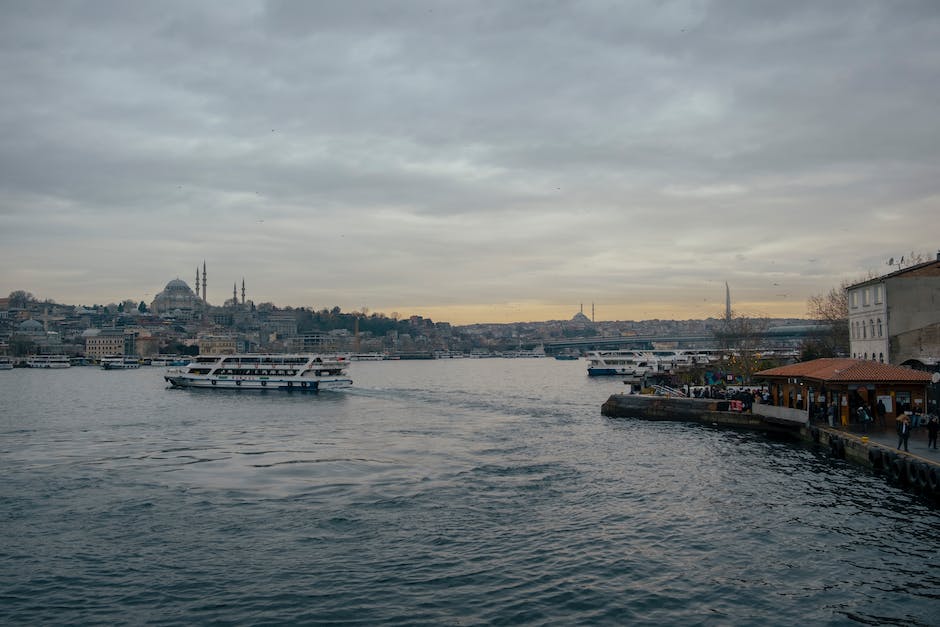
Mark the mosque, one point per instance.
(179, 300)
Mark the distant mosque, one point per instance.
(581, 318)
(177, 298)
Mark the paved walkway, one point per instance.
(916, 444)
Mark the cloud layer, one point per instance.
(478, 161)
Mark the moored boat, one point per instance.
(639, 363)
(119, 362)
(6, 363)
(48, 361)
(303, 373)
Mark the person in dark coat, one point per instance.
(904, 430)
(933, 425)
(881, 411)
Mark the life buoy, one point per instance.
(923, 473)
(898, 470)
(933, 481)
(910, 472)
(837, 446)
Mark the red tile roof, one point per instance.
(848, 370)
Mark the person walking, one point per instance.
(933, 425)
(904, 430)
(881, 411)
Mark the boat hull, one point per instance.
(289, 385)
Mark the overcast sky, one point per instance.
(468, 161)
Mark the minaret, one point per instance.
(727, 303)
(197, 281)
(204, 299)
(234, 294)
(243, 290)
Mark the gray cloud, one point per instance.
(409, 154)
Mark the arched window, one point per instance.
(881, 357)
(879, 327)
(864, 332)
(871, 326)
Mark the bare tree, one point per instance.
(831, 309)
(740, 339)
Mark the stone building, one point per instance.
(895, 318)
(108, 342)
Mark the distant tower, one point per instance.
(727, 303)
(197, 281)
(234, 293)
(243, 290)
(204, 282)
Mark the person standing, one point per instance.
(933, 425)
(904, 430)
(881, 410)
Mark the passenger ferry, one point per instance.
(303, 373)
(636, 364)
(169, 360)
(368, 357)
(119, 362)
(48, 361)
(6, 363)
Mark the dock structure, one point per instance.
(909, 470)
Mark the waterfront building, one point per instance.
(217, 345)
(108, 342)
(850, 384)
(895, 318)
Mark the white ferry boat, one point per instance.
(309, 373)
(169, 360)
(6, 363)
(48, 361)
(119, 362)
(368, 357)
(639, 363)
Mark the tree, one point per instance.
(21, 298)
(740, 337)
(831, 309)
(142, 307)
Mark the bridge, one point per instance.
(773, 338)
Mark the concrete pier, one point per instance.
(918, 470)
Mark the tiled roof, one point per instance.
(846, 370)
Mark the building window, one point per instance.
(871, 327)
(853, 299)
(881, 357)
(866, 296)
(864, 333)
(879, 292)
(879, 328)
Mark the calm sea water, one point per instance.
(449, 492)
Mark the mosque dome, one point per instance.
(30, 327)
(177, 295)
(177, 285)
